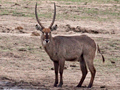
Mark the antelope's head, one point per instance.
(46, 32)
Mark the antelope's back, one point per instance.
(75, 40)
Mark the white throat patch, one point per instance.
(44, 42)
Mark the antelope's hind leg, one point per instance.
(89, 62)
(83, 69)
(92, 71)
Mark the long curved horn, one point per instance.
(53, 16)
(37, 16)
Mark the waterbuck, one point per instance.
(68, 48)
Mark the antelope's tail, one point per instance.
(100, 53)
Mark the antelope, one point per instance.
(68, 48)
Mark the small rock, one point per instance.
(35, 34)
(26, 7)
(73, 66)
(19, 28)
(52, 68)
(42, 59)
(93, 31)
(22, 49)
(102, 86)
(21, 31)
(112, 32)
(85, 3)
(15, 43)
(69, 28)
(16, 4)
(16, 56)
(65, 67)
(113, 62)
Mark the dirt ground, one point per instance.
(25, 65)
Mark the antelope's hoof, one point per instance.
(78, 85)
(55, 85)
(89, 86)
(60, 85)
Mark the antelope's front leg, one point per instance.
(56, 65)
(61, 68)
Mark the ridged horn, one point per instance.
(53, 16)
(37, 17)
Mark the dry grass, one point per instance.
(25, 64)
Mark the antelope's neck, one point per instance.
(49, 47)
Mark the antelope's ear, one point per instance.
(54, 28)
(38, 27)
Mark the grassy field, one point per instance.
(24, 63)
(89, 10)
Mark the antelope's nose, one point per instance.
(47, 40)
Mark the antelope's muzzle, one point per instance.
(47, 40)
